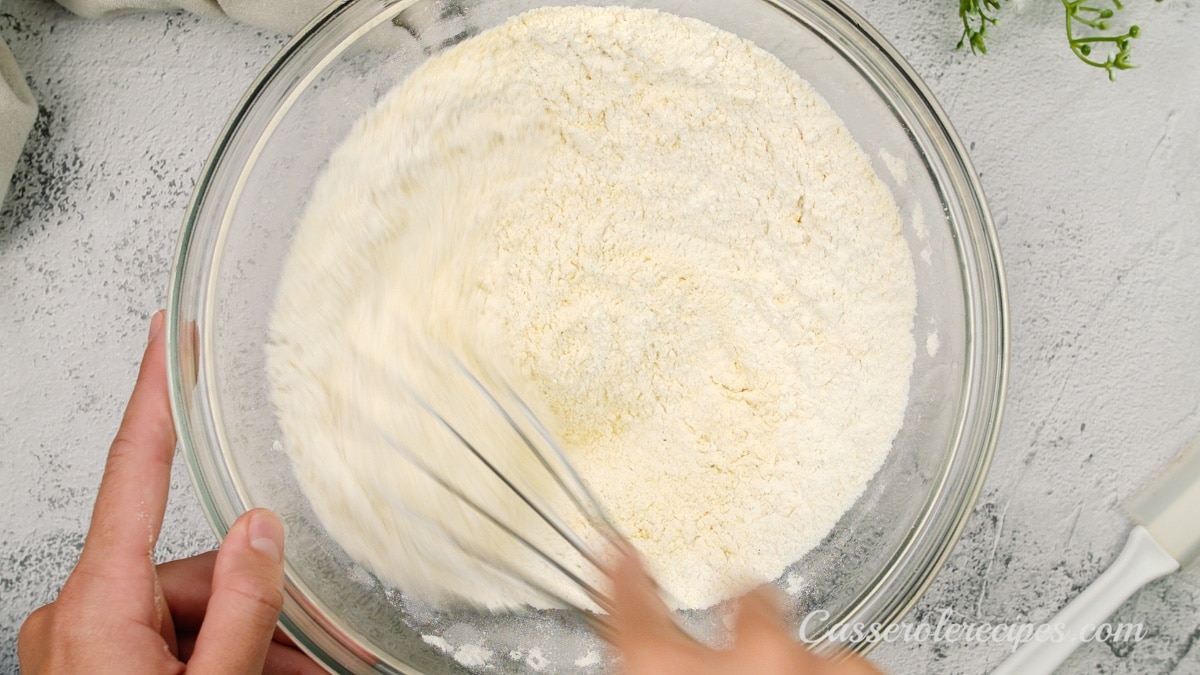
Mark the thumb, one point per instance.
(247, 594)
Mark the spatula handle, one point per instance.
(1141, 561)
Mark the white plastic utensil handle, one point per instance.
(1141, 562)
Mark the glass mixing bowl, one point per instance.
(870, 569)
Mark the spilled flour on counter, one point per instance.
(665, 238)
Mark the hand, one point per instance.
(651, 643)
(118, 612)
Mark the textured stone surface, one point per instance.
(1094, 187)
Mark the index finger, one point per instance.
(639, 615)
(133, 493)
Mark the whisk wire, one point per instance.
(588, 506)
(595, 595)
(594, 512)
(533, 434)
(597, 623)
(548, 515)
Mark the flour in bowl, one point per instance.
(665, 238)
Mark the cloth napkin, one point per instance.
(18, 110)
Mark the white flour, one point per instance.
(664, 236)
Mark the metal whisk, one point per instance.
(550, 456)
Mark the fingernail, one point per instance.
(266, 534)
(156, 323)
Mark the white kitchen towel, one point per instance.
(17, 112)
(282, 16)
(18, 109)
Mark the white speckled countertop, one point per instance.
(1095, 190)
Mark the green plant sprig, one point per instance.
(1097, 19)
(1088, 30)
(976, 16)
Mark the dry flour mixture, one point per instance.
(664, 235)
